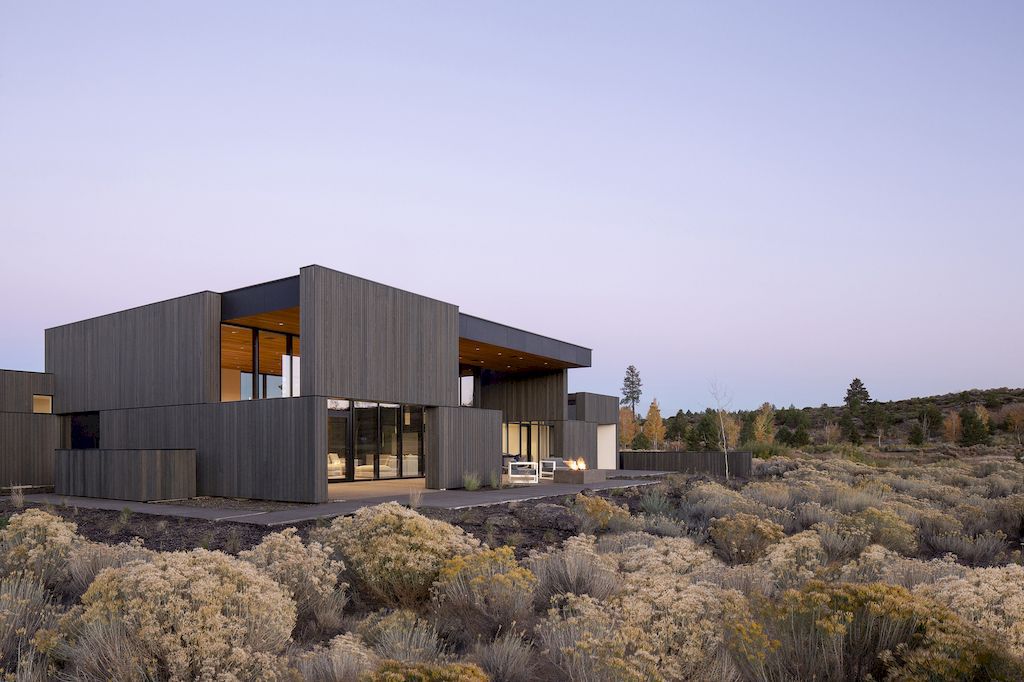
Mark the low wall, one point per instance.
(712, 463)
(27, 442)
(140, 475)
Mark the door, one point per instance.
(339, 454)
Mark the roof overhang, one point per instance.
(499, 347)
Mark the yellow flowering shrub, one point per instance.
(394, 553)
(481, 594)
(878, 564)
(889, 530)
(86, 560)
(38, 543)
(402, 635)
(26, 611)
(795, 559)
(597, 513)
(992, 598)
(393, 671)
(743, 538)
(307, 571)
(575, 568)
(196, 615)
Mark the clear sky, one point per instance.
(777, 195)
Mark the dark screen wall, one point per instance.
(17, 389)
(461, 440)
(367, 341)
(27, 440)
(526, 397)
(165, 353)
(574, 439)
(597, 408)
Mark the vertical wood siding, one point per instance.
(27, 442)
(597, 408)
(165, 353)
(368, 341)
(140, 475)
(713, 463)
(460, 440)
(575, 439)
(17, 389)
(526, 397)
(273, 449)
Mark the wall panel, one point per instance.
(17, 389)
(460, 440)
(713, 463)
(27, 442)
(165, 353)
(140, 475)
(368, 341)
(597, 408)
(574, 439)
(526, 397)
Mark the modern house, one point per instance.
(288, 389)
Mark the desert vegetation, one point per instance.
(845, 565)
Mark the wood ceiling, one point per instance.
(236, 343)
(488, 356)
(286, 320)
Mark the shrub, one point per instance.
(843, 540)
(38, 543)
(507, 659)
(482, 594)
(306, 571)
(344, 659)
(795, 559)
(889, 530)
(102, 651)
(194, 615)
(808, 514)
(878, 564)
(985, 549)
(847, 631)
(402, 636)
(596, 513)
(992, 598)
(394, 553)
(87, 559)
(576, 568)
(470, 481)
(743, 538)
(654, 502)
(393, 671)
(25, 610)
(664, 526)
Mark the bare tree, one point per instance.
(722, 402)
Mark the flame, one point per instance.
(571, 463)
(581, 464)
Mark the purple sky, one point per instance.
(779, 195)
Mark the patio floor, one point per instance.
(354, 496)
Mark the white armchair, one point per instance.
(522, 472)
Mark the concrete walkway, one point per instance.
(445, 499)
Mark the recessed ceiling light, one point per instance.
(280, 324)
(499, 353)
(509, 366)
(478, 349)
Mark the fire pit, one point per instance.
(578, 473)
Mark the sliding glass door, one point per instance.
(381, 440)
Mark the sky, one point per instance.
(774, 196)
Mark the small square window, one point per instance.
(42, 404)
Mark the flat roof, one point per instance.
(494, 333)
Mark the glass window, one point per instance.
(42, 404)
(365, 417)
(387, 461)
(466, 391)
(513, 439)
(337, 445)
(412, 441)
(292, 378)
(235, 363)
(274, 362)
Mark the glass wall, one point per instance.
(529, 441)
(374, 440)
(257, 363)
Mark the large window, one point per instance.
(529, 441)
(257, 363)
(369, 440)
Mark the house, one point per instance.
(288, 389)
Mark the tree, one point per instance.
(631, 388)
(930, 418)
(731, 426)
(675, 427)
(641, 442)
(654, 427)
(952, 429)
(876, 421)
(974, 430)
(830, 432)
(722, 401)
(628, 428)
(857, 395)
(849, 428)
(916, 436)
(764, 424)
(1014, 421)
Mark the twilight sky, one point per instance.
(777, 195)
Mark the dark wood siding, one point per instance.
(140, 475)
(272, 449)
(165, 353)
(461, 440)
(526, 397)
(27, 442)
(574, 439)
(17, 389)
(597, 408)
(368, 341)
(688, 462)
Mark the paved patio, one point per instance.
(359, 495)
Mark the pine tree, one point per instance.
(975, 431)
(631, 388)
(857, 395)
(654, 427)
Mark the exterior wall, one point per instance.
(27, 442)
(713, 463)
(272, 449)
(607, 446)
(526, 397)
(368, 341)
(596, 408)
(575, 439)
(160, 354)
(141, 475)
(17, 389)
(461, 440)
